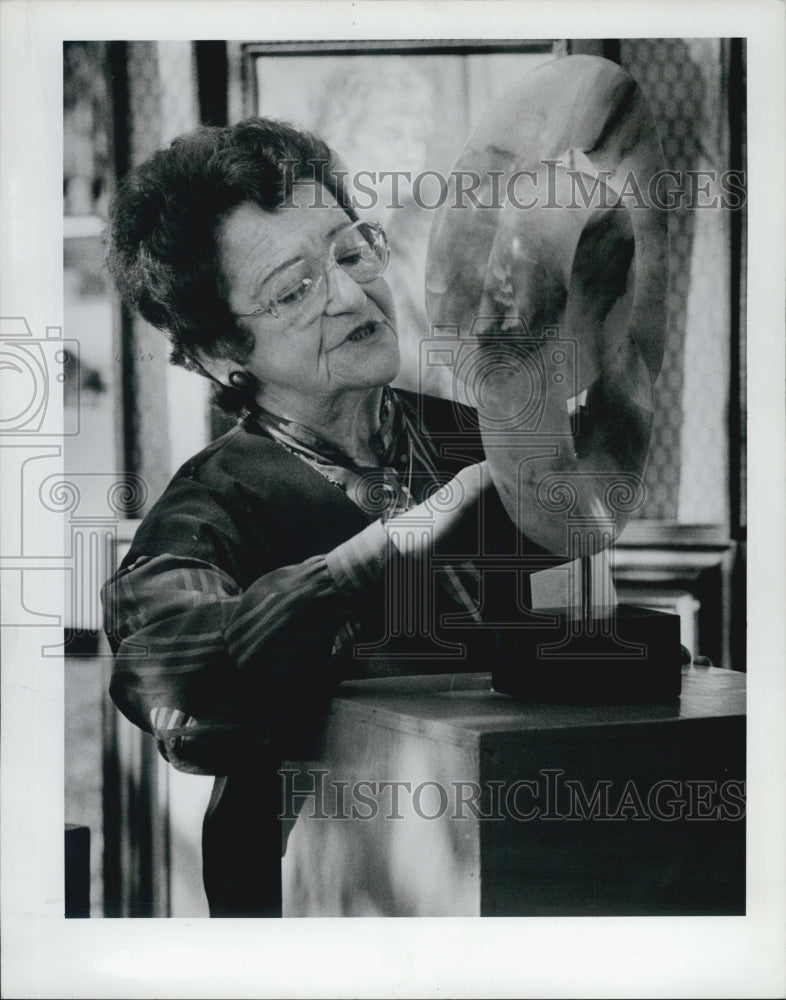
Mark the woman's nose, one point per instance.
(344, 294)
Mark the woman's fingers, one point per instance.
(473, 480)
(417, 530)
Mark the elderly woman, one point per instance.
(276, 550)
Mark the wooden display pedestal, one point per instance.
(436, 796)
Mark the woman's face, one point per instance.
(351, 345)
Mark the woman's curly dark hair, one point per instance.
(162, 250)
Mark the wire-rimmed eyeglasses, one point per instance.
(299, 293)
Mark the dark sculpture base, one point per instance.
(631, 656)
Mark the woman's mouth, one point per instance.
(363, 331)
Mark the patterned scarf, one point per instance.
(406, 473)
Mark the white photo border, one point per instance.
(47, 956)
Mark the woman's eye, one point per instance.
(351, 257)
(294, 292)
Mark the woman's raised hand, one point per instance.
(424, 526)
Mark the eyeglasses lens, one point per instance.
(300, 292)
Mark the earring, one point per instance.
(240, 380)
